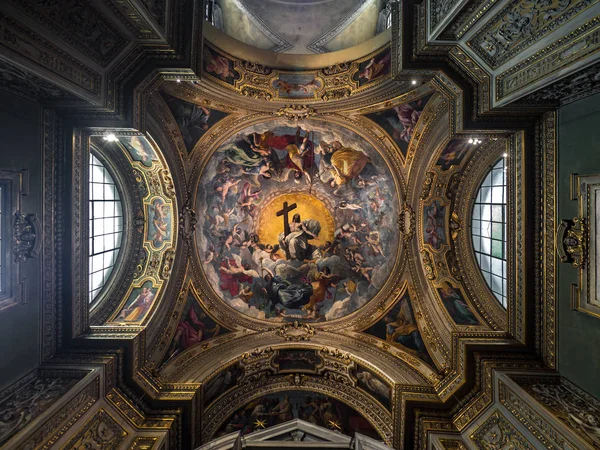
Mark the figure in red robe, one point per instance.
(191, 331)
(232, 276)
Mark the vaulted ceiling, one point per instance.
(218, 304)
(300, 26)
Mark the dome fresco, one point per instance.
(300, 221)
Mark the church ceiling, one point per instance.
(329, 255)
(369, 307)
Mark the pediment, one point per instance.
(295, 433)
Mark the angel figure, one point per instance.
(374, 242)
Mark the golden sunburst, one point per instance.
(260, 423)
(308, 206)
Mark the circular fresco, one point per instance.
(301, 222)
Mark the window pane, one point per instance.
(106, 225)
(488, 227)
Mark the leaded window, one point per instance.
(489, 230)
(106, 225)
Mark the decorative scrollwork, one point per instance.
(338, 378)
(429, 265)
(573, 242)
(141, 266)
(258, 94)
(454, 225)
(258, 353)
(256, 68)
(296, 332)
(187, 221)
(428, 185)
(452, 262)
(407, 222)
(335, 353)
(337, 94)
(167, 264)
(337, 68)
(297, 112)
(167, 183)
(26, 229)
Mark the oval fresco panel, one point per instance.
(301, 222)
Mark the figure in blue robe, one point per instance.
(289, 295)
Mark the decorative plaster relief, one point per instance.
(520, 24)
(438, 9)
(101, 432)
(566, 90)
(329, 83)
(79, 24)
(38, 51)
(570, 49)
(497, 433)
(28, 398)
(25, 84)
(575, 408)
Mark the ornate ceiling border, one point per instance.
(274, 84)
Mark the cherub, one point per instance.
(347, 205)
(354, 257)
(285, 86)
(226, 186)
(245, 293)
(364, 271)
(308, 88)
(240, 269)
(374, 242)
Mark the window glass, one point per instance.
(106, 226)
(489, 230)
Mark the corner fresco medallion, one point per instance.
(301, 221)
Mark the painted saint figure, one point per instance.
(377, 66)
(283, 292)
(160, 230)
(346, 163)
(321, 284)
(456, 305)
(191, 331)
(296, 244)
(140, 306)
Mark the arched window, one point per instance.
(106, 226)
(489, 230)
